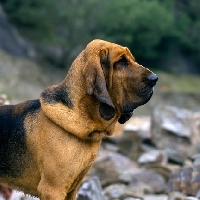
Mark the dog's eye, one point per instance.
(122, 62)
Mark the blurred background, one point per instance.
(39, 39)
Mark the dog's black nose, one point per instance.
(152, 79)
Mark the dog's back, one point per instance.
(13, 137)
(46, 149)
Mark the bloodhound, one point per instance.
(49, 144)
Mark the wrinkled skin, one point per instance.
(48, 145)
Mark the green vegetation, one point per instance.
(180, 83)
(153, 29)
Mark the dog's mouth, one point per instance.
(145, 100)
(145, 92)
(128, 109)
(132, 106)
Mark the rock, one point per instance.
(121, 191)
(153, 156)
(190, 198)
(148, 182)
(140, 126)
(176, 196)
(180, 196)
(172, 131)
(185, 180)
(198, 194)
(113, 168)
(11, 41)
(196, 133)
(136, 130)
(119, 130)
(163, 169)
(130, 145)
(156, 197)
(177, 131)
(196, 158)
(157, 161)
(91, 190)
(130, 136)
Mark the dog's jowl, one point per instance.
(48, 145)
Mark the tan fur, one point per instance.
(62, 140)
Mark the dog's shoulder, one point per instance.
(13, 134)
(12, 116)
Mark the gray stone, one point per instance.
(139, 125)
(190, 198)
(198, 194)
(153, 156)
(196, 133)
(156, 197)
(148, 181)
(136, 130)
(172, 131)
(176, 196)
(91, 190)
(120, 191)
(113, 168)
(185, 180)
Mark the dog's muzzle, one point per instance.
(145, 90)
(151, 80)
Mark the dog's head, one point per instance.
(116, 80)
(103, 85)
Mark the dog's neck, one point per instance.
(82, 117)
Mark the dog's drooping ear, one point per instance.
(106, 109)
(96, 86)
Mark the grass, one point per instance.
(178, 82)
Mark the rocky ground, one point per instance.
(152, 157)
